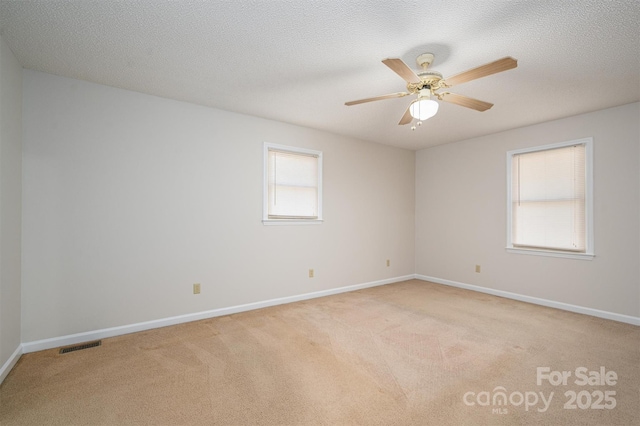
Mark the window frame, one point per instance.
(589, 252)
(266, 220)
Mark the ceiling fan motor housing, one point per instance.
(429, 80)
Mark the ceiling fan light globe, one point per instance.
(423, 109)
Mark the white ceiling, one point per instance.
(298, 61)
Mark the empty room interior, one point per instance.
(320, 212)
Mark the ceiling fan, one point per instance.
(426, 84)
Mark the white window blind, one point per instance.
(548, 202)
(293, 184)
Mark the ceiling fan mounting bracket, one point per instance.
(424, 60)
(441, 95)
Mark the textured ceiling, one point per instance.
(298, 61)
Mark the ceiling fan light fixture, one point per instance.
(427, 83)
(423, 109)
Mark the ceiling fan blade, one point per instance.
(500, 65)
(406, 118)
(465, 101)
(402, 70)
(377, 98)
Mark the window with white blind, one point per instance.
(292, 185)
(550, 203)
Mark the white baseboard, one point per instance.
(73, 339)
(13, 359)
(535, 300)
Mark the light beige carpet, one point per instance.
(411, 353)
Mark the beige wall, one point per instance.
(129, 199)
(10, 202)
(461, 215)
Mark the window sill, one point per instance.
(285, 222)
(550, 253)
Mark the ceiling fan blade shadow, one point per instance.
(402, 69)
(465, 101)
(377, 98)
(494, 67)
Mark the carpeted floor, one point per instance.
(410, 353)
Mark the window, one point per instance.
(549, 201)
(292, 185)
